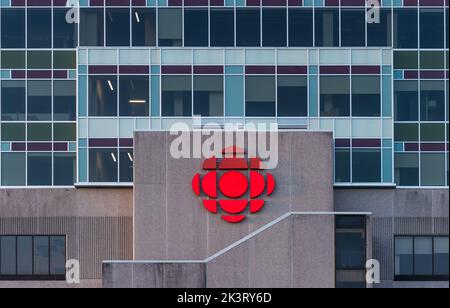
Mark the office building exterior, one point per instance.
(359, 95)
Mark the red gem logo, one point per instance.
(241, 184)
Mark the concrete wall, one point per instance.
(97, 223)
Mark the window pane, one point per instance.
(208, 96)
(144, 27)
(24, 255)
(342, 165)
(405, 28)
(260, 96)
(327, 27)
(432, 132)
(433, 171)
(64, 131)
(170, 27)
(64, 100)
(366, 96)
(8, 255)
(91, 27)
(39, 100)
(64, 33)
(441, 256)
(126, 165)
(301, 28)
(423, 256)
(177, 96)
(39, 26)
(117, 27)
(134, 96)
(350, 249)
(292, 96)
(431, 28)
(13, 59)
(407, 169)
(39, 60)
(195, 27)
(248, 27)
(353, 27)
(335, 96)
(13, 28)
(41, 255)
(39, 132)
(102, 96)
(13, 131)
(274, 27)
(13, 100)
(13, 169)
(406, 100)
(432, 100)
(406, 132)
(366, 166)
(379, 34)
(39, 169)
(103, 165)
(222, 27)
(57, 255)
(64, 169)
(404, 259)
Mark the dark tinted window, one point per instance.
(144, 27)
(39, 26)
(117, 27)
(170, 27)
(327, 27)
(134, 96)
(64, 169)
(274, 27)
(13, 100)
(177, 96)
(353, 27)
(366, 96)
(406, 100)
(102, 95)
(39, 100)
(301, 27)
(431, 28)
(292, 96)
(222, 27)
(39, 169)
(64, 100)
(342, 165)
(91, 27)
(432, 100)
(335, 96)
(195, 27)
(13, 28)
(407, 169)
(64, 33)
(126, 165)
(405, 28)
(366, 165)
(380, 34)
(260, 96)
(208, 96)
(103, 165)
(248, 27)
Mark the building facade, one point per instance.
(76, 86)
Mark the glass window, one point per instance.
(423, 256)
(13, 131)
(406, 100)
(64, 131)
(260, 96)
(335, 96)
(63, 59)
(41, 255)
(432, 100)
(39, 100)
(24, 255)
(432, 28)
(222, 27)
(91, 27)
(441, 256)
(39, 131)
(327, 27)
(407, 169)
(292, 96)
(342, 165)
(406, 60)
(177, 96)
(13, 169)
(64, 100)
(13, 28)
(404, 257)
(8, 255)
(64, 33)
(353, 27)
(208, 96)
(405, 28)
(117, 27)
(432, 132)
(39, 169)
(366, 96)
(366, 165)
(103, 96)
(144, 27)
(57, 255)
(301, 28)
(274, 27)
(39, 25)
(248, 27)
(432, 166)
(13, 100)
(432, 60)
(170, 27)
(64, 166)
(379, 34)
(134, 96)
(126, 165)
(103, 165)
(39, 59)
(195, 27)
(406, 131)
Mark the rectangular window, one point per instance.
(353, 27)
(12, 28)
(64, 169)
(292, 96)
(432, 167)
(327, 27)
(366, 96)
(64, 100)
(248, 27)
(126, 165)
(196, 27)
(380, 34)
(335, 96)
(39, 28)
(13, 100)
(64, 33)
(301, 28)
(170, 27)
(222, 27)
(342, 165)
(406, 100)
(39, 169)
(432, 100)
(260, 96)
(405, 28)
(177, 96)
(13, 169)
(39, 100)
(103, 164)
(144, 27)
(407, 169)
(134, 96)
(103, 96)
(421, 258)
(208, 96)
(274, 27)
(91, 27)
(366, 165)
(432, 28)
(117, 27)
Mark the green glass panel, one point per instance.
(13, 132)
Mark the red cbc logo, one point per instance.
(238, 191)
